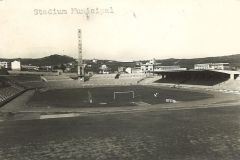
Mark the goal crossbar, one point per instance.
(126, 92)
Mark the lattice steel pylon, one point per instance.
(80, 60)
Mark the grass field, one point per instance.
(104, 96)
(198, 134)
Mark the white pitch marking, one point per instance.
(59, 115)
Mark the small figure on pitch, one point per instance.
(156, 94)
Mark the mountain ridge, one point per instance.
(55, 59)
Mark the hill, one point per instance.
(233, 60)
(45, 61)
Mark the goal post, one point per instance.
(126, 92)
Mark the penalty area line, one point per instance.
(59, 115)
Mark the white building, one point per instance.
(169, 68)
(94, 60)
(29, 67)
(104, 69)
(212, 66)
(153, 66)
(128, 70)
(149, 66)
(16, 65)
(3, 64)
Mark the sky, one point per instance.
(126, 30)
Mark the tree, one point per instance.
(63, 67)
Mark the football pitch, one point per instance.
(112, 96)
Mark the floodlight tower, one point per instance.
(80, 60)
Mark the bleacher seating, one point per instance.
(56, 78)
(98, 80)
(24, 78)
(10, 91)
(13, 85)
(27, 81)
(229, 85)
(123, 79)
(206, 78)
(3, 82)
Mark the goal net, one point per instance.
(127, 95)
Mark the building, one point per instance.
(45, 68)
(104, 69)
(94, 60)
(152, 66)
(4, 64)
(16, 65)
(121, 69)
(212, 66)
(29, 68)
(169, 68)
(149, 66)
(128, 70)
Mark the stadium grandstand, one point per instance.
(194, 77)
(95, 80)
(13, 85)
(27, 81)
(3, 82)
(120, 79)
(56, 78)
(9, 90)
